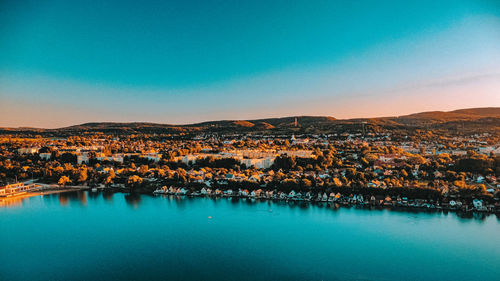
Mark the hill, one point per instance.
(457, 121)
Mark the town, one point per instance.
(385, 169)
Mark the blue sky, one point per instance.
(68, 62)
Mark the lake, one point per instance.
(105, 236)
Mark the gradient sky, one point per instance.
(69, 62)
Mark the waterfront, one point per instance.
(101, 236)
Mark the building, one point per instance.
(297, 153)
(28, 150)
(45, 156)
(16, 189)
(82, 158)
(259, 163)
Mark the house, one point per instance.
(308, 195)
(388, 201)
(478, 204)
(269, 194)
(323, 175)
(45, 155)
(357, 198)
(324, 198)
(254, 178)
(162, 190)
(298, 196)
(243, 192)
(258, 192)
(282, 195)
(331, 198)
(319, 197)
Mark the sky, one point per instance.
(69, 62)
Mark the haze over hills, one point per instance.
(465, 120)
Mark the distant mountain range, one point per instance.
(463, 120)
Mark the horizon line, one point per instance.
(257, 119)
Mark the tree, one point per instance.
(417, 159)
(404, 173)
(82, 177)
(306, 183)
(63, 180)
(108, 181)
(143, 169)
(284, 162)
(134, 181)
(337, 182)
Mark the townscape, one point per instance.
(417, 169)
(250, 140)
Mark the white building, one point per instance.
(27, 150)
(45, 156)
(82, 158)
(259, 163)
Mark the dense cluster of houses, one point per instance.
(351, 199)
(374, 161)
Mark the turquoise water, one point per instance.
(95, 236)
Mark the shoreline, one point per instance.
(342, 203)
(18, 198)
(338, 204)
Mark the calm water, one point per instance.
(85, 236)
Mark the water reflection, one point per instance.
(93, 195)
(108, 196)
(133, 199)
(63, 200)
(179, 201)
(334, 206)
(72, 197)
(10, 202)
(472, 215)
